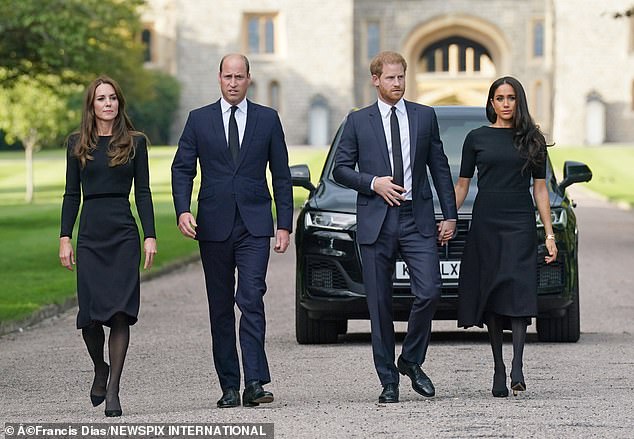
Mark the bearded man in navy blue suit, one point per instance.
(394, 143)
(234, 140)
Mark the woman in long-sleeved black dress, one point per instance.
(498, 273)
(104, 159)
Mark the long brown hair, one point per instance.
(527, 137)
(121, 146)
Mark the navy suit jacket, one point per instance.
(363, 143)
(226, 186)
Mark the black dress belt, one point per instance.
(106, 195)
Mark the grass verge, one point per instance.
(31, 276)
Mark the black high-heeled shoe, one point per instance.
(499, 389)
(96, 398)
(517, 382)
(113, 408)
(518, 386)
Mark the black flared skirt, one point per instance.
(108, 257)
(498, 272)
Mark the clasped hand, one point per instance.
(389, 191)
(393, 195)
(551, 246)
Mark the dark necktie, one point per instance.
(397, 154)
(234, 139)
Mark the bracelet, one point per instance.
(550, 236)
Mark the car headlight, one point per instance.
(558, 217)
(330, 220)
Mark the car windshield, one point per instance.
(453, 132)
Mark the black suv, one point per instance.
(329, 286)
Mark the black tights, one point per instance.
(495, 327)
(118, 341)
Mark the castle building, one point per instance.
(310, 59)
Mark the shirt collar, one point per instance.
(226, 106)
(386, 109)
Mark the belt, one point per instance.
(106, 195)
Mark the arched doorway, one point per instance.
(453, 59)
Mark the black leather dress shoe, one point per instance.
(389, 394)
(230, 398)
(420, 382)
(254, 395)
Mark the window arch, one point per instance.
(455, 54)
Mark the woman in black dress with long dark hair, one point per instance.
(498, 272)
(103, 160)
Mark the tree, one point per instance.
(49, 51)
(153, 112)
(73, 40)
(35, 114)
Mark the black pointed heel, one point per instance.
(499, 389)
(518, 386)
(96, 398)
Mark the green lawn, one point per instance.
(611, 167)
(31, 275)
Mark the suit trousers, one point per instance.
(399, 234)
(250, 255)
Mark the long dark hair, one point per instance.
(527, 137)
(121, 147)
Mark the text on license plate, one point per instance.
(448, 270)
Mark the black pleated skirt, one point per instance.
(108, 257)
(498, 272)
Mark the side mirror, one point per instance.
(575, 172)
(300, 175)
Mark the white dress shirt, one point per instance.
(241, 117)
(403, 124)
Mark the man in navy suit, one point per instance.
(234, 140)
(394, 142)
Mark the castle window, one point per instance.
(274, 95)
(252, 92)
(260, 33)
(373, 38)
(538, 39)
(146, 40)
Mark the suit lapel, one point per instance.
(219, 133)
(379, 132)
(412, 117)
(249, 129)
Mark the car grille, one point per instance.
(322, 273)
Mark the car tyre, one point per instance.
(313, 331)
(565, 329)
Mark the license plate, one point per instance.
(448, 270)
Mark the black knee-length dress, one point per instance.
(108, 250)
(498, 272)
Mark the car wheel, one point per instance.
(562, 329)
(313, 331)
